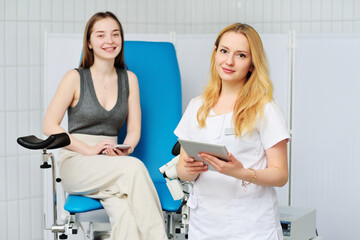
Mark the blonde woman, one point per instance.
(98, 97)
(238, 199)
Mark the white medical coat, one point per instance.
(220, 208)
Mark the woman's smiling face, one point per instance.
(105, 39)
(233, 57)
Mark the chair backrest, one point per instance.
(156, 67)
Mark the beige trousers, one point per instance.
(122, 184)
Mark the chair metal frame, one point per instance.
(71, 223)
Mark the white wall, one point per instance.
(326, 132)
(22, 26)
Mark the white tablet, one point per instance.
(193, 148)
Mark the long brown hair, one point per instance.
(87, 58)
(255, 93)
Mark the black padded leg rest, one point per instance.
(53, 141)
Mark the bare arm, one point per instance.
(67, 95)
(276, 173)
(134, 112)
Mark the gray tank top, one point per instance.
(89, 117)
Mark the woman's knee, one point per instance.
(136, 164)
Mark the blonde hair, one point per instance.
(256, 92)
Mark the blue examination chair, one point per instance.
(156, 66)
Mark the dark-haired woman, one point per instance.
(99, 97)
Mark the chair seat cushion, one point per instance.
(80, 204)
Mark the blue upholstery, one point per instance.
(167, 202)
(155, 64)
(156, 67)
(79, 204)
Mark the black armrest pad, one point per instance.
(53, 141)
(176, 149)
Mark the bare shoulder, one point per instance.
(132, 77)
(72, 75)
(71, 78)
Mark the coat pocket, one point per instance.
(193, 201)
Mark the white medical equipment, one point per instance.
(179, 190)
(298, 223)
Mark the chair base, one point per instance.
(175, 229)
(101, 235)
(98, 231)
(98, 216)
